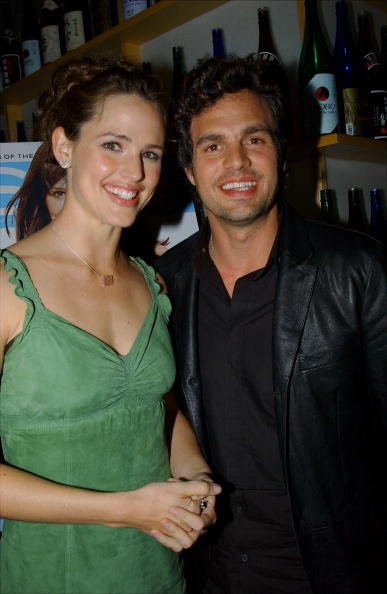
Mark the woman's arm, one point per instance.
(186, 460)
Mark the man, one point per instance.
(280, 328)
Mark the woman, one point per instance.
(87, 360)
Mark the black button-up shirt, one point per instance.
(255, 550)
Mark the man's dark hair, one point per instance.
(209, 81)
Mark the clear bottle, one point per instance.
(10, 48)
(375, 79)
(316, 78)
(218, 50)
(356, 219)
(351, 94)
(76, 17)
(327, 209)
(273, 72)
(52, 31)
(378, 225)
(30, 39)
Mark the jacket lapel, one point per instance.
(296, 281)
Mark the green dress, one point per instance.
(76, 412)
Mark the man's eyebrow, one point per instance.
(216, 137)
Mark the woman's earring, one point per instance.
(64, 164)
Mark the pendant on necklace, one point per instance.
(107, 280)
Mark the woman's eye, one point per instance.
(112, 146)
(59, 193)
(151, 155)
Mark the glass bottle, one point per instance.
(383, 47)
(375, 79)
(218, 50)
(355, 214)
(52, 31)
(378, 225)
(10, 49)
(102, 16)
(132, 7)
(178, 71)
(316, 78)
(353, 108)
(272, 69)
(30, 39)
(21, 135)
(327, 210)
(76, 19)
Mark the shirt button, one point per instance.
(244, 557)
(193, 381)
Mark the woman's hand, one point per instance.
(170, 511)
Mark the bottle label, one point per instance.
(31, 56)
(320, 105)
(132, 7)
(50, 43)
(74, 31)
(378, 110)
(50, 5)
(370, 60)
(10, 69)
(267, 58)
(355, 112)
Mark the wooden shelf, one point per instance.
(125, 38)
(341, 146)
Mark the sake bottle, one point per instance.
(52, 31)
(76, 18)
(353, 107)
(30, 39)
(375, 79)
(316, 78)
(10, 49)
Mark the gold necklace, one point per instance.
(107, 280)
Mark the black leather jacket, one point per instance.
(330, 383)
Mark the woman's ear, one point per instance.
(61, 147)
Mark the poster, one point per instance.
(15, 158)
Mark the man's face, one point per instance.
(234, 163)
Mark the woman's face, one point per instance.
(116, 161)
(55, 198)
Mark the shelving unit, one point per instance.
(125, 38)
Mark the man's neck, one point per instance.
(237, 251)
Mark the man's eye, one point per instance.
(257, 140)
(112, 146)
(212, 148)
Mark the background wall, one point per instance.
(238, 20)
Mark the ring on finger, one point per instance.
(203, 504)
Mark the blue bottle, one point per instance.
(378, 225)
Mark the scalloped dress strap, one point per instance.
(24, 287)
(162, 300)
